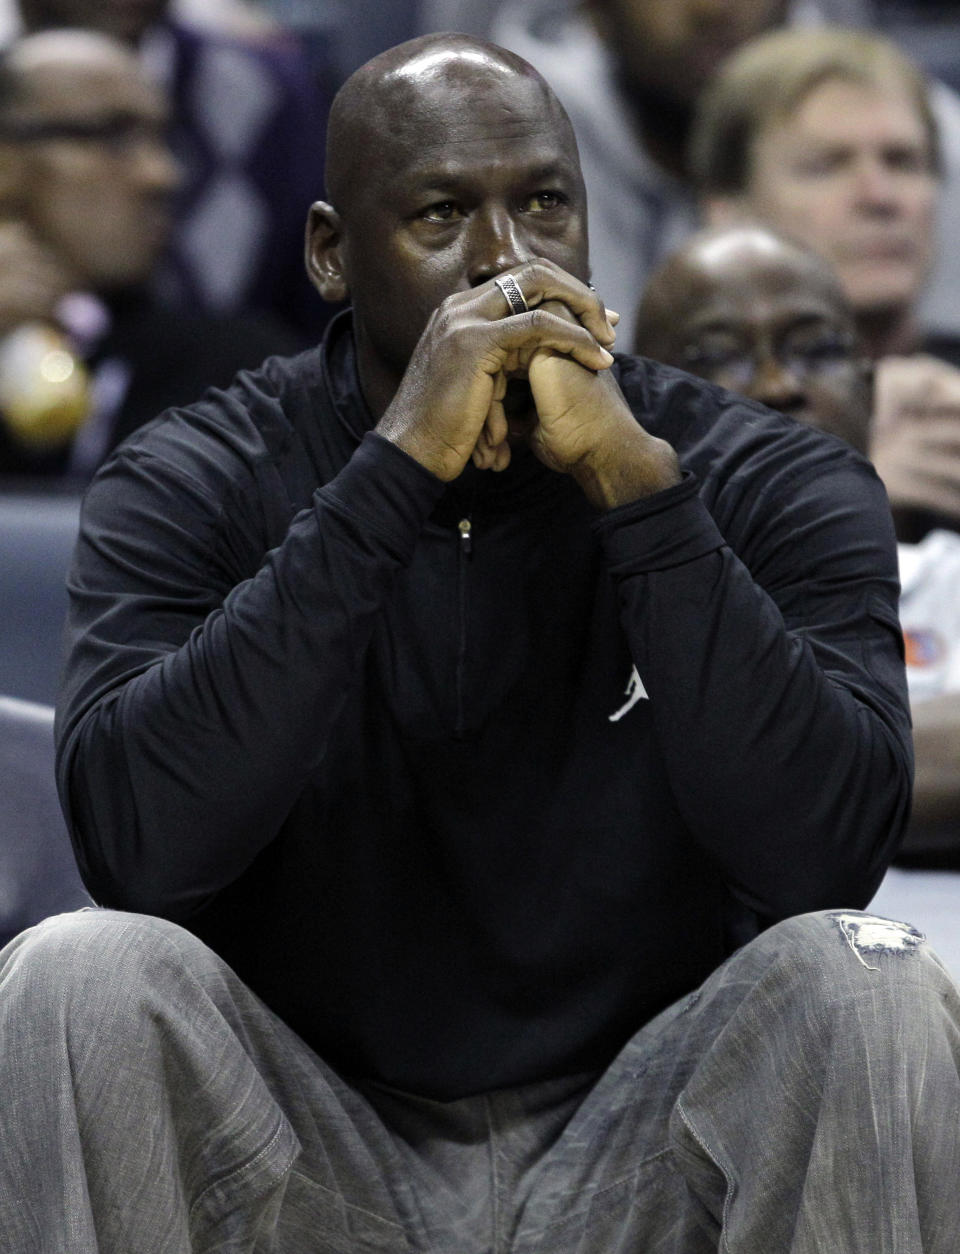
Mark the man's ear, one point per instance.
(323, 256)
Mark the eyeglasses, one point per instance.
(803, 355)
(119, 133)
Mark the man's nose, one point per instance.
(498, 242)
(156, 167)
(775, 385)
(876, 185)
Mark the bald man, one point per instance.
(761, 315)
(444, 707)
(750, 310)
(86, 185)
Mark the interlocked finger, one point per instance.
(532, 284)
(513, 293)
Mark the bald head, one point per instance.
(762, 316)
(84, 162)
(28, 64)
(450, 161)
(402, 101)
(728, 261)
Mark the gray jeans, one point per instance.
(806, 1098)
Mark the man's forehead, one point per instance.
(535, 155)
(439, 108)
(890, 105)
(78, 75)
(756, 258)
(470, 143)
(733, 252)
(456, 79)
(744, 275)
(74, 96)
(442, 111)
(763, 300)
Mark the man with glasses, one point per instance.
(248, 114)
(87, 181)
(830, 136)
(766, 318)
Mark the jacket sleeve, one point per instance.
(773, 661)
(194, 706)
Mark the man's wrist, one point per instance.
(634, 466)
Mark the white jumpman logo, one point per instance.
(635, 692)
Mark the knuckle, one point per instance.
(442, 319)
(533, 266)
(544, 272)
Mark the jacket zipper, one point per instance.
(465, 546)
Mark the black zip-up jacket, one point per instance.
(468, 783)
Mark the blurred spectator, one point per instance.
(248, 126)
(86, 181)
(630, 73)
(829, 136)
(767, 319)
(355, 32)
(475, 18)
(230, 17)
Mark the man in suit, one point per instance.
(87, 180)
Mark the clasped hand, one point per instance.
(452, 405)
(916, 433)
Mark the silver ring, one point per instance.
(511, 290)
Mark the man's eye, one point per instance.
(820, 164)
(442, 211)
(821, 353)
(907, 160)
(709, 359)
(544, 201)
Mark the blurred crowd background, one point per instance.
(156, 167)
(244, 87)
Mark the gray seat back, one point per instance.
(37, 536)
(38, 873)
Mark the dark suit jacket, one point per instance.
(173, 357)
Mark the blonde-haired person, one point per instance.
(831, 136)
